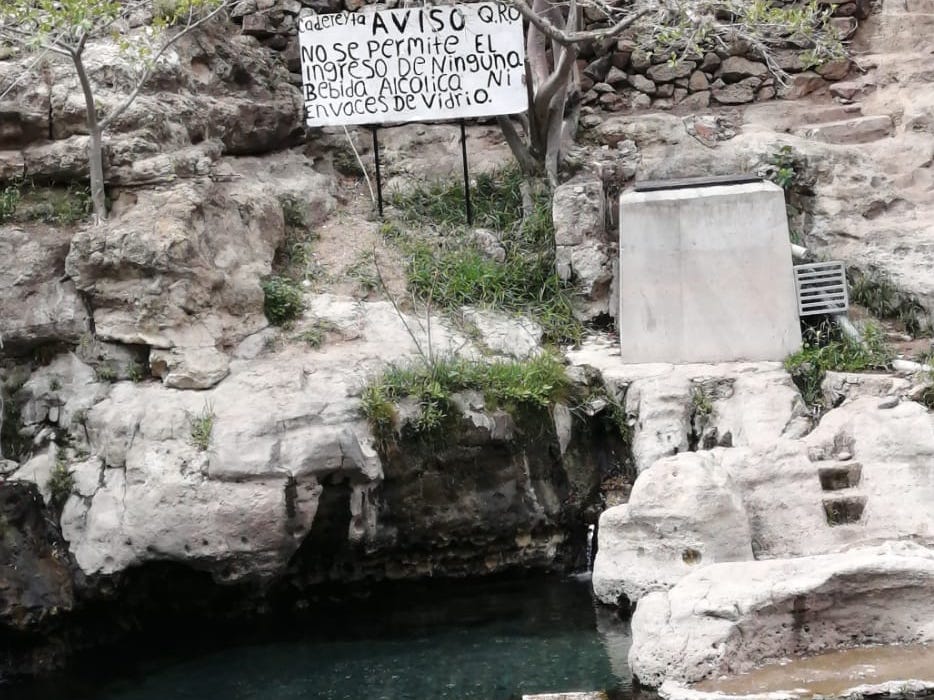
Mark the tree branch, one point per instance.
(190, 27)
(572, 37)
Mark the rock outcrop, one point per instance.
(727, 618)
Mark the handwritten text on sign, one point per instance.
(413, 64)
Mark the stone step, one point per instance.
(857, 130)
(844, 510)
(842, 476)
(789, 115)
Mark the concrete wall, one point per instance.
(706, 275)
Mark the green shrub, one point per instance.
(536, 382)
(136, 371)
(69, 206)
(283, 300)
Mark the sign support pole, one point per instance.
(379, 178)
(466, 175)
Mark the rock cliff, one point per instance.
(166, 424)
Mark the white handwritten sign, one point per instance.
(415, 64)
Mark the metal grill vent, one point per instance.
(821, 288)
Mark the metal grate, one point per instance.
(821, 288)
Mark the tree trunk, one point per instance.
(96, 142)
(96, 161)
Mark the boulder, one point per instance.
(802, 84)
(737, 93)
(642, 84)
(189, 368)
(834, 70)
(698, 81)
(666, 72)
(683, 512)
(727, 618)
(507, 336)
(737, 68)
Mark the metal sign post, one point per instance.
(466, 175)
(379, 178)
(468, 206)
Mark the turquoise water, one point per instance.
(481, 641)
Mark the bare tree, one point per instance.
(64, 28)
(676, 29)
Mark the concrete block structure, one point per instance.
(706, 275)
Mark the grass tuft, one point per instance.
(877, 293)
(826, 349)
(458, 274)
(201, 426)
(536, 382)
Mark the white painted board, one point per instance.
(413, 64)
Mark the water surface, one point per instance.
(481, 641)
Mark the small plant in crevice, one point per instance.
(782, 167)
(61, 482)
(136, 371)
(9, 199)
(201, 427)
(363, 272)
(315, 335)
(283, 301)
(825, 349)
(701, 403)
(346, 161)
(106, 372)
(294, 212)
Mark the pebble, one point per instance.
(888, 402)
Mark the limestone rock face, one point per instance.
(758, 479)
(726, 618)
(37, 303)
(847, 483)
(684, 511)
(582, 251)
(180, 267)
(213, 88)
(273, 468)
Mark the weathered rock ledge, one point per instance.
(726, 618)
